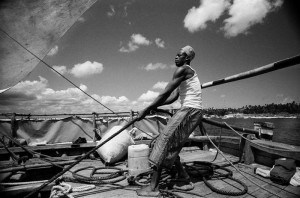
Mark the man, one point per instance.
(186, 85)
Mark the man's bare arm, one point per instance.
(178, 77)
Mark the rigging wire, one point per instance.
(66, 78)
(57, 71)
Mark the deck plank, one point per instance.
(194, 154)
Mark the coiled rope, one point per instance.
(208, 170)
(112, 175)
(63, 190)
(233, 164)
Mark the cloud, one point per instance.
(209, 10)
(160, 85)
(113, 99)
(139, 39)
(37, 98)
(111, 12)
(86, 69)
(246, 13)
(120, 10)
(149, 96)
(155, 66)
(136, 41)
(53, 51)
(60, 69)
(282, 99)
(160, 43)
(243, 14)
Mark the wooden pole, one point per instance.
(13, 129)
(96, 135)
(36, 166)
(223, 125)
(255, 72)
(79, 160)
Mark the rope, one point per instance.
(21, 183)
(207, 171)
(225, 192)
(63, 189)
(278, 149)
(237, 168)
(66, 78)
(110, 178)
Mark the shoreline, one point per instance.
(254, 116)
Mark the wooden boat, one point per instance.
(235, 150)
(244, 155)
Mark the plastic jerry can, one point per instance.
(138, 159)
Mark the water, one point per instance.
(287, 130)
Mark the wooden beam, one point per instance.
(255, 72)
(223, 125)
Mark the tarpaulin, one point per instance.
(69, 129)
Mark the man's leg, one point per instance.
(181, 171)
(183, 178)
(151, 190)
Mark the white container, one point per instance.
(138, 159)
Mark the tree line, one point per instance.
(281, 109)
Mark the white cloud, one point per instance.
(53, 51)
(243, 14)
(155, 66)
(223, 96)
(160, 43)
(86, 69)
(209, 10)
(113, 99)
(36, 97)
(149, 96)
(160, 85)
(29, 87)
(121, 10)
(246, 13)
(136, 41)
(111, 12)
(139, 39)
(283, 99)
(60, 69)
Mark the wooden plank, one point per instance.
(208, 156)
(49, 147)
(21, 190)
(275, 148)
(293, 189)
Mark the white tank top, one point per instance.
(190, 92)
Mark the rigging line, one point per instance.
(270, 183)
(57, 72)
(238, 169)
(66, 78)
(278, 149)
(33, 153)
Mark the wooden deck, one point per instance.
(201, 190)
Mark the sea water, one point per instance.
(287, 130)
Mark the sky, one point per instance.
(122, 54)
